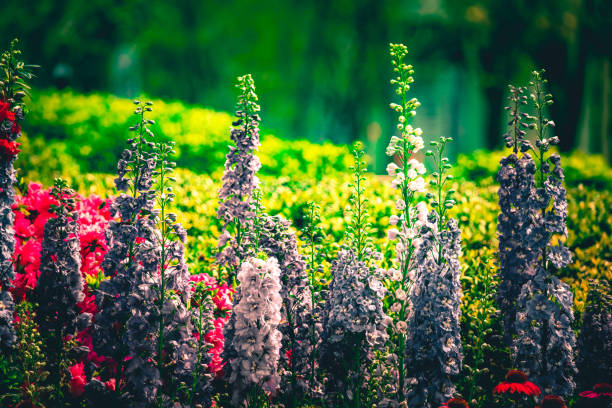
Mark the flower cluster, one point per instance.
(601, 393)
(32, 211)
(517, 233)
(594, 359)
(517, 382)
(256, 341)
(60, 283)
(433, 348)
(144, 324)
(407, 174)
(13, 77)
(277, 241)
(354, 326)
(239, 178)
(543, 335)
(129, 261)
(545, 339)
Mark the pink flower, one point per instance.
(516, 382)
(78, 381)
(598, 391)
(111, 384)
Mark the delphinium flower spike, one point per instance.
(407, 178)
(160, 331)
(354, 327)
(256, 340)
(130, 255)
(14, 76)
(545, 340)
(433, 348)
(239, 178)
(515, 223)
(60, 286)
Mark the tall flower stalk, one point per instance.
(354, 327)
(239, 178)
(256, 340)
(275, 240)
(518, 212)
(313, 237)
(407, 179)
(545, 340)
(60, 286)
(358, 231)
(433, 352)
(14, 75)
(122, 263)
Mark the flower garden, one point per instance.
(161, 255)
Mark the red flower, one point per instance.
(598, 391)
(455, 403)
(516, 382)
(78, 381)
(8, 149)
(110, 384)
(552, 401)
(5, 112)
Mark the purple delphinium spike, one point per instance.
(516, 228)
(544, 339)
(434, 354)
(276, 240)
(60, 285)
(544, 344)
(144, 322)
(354, 326)
(256, 341)
(131, 255)
(12, 90)
(239, 178)
(433, 347)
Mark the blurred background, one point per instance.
(322, 68)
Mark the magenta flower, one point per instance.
(516, 382)
(599, 390)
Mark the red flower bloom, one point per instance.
(598, 391)
(78, 381)
(516, 382)
(8, 148)
(110, 384)
(552, 401)
(5, 112)
(455, 403)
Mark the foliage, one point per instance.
(594, 358)
(385, 335)
(86, 128)
(481, 167)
